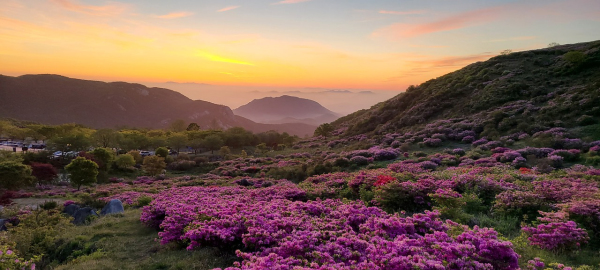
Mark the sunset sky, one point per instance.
(329, 44)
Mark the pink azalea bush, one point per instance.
(10, 260)
(557, 236)
(277, 231)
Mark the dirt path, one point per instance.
(34, 202)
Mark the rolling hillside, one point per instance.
(53, 99)
(523, 91)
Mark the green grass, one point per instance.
(591, 132)
(588, 257)
(123, 242)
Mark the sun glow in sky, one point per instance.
(340, 44)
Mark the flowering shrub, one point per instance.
(557, 236)
(510, 156)
(557, 161)
(468, 139)
(432, 142)
(479, 142)
(68, 202)
(535, 264)
(280, 233)
(359, 160)
(520, 162)
(10, 260)
(524, 170)
(384, 180)
(459, 151)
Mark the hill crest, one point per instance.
(286, 109)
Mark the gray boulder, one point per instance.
(2, 224)
(71, 209)
(113, 207)
(82, 214)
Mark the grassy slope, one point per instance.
(479, 89)
(122, 242)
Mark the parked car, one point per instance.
(37, 146)
(57, 154)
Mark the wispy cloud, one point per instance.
(457, 21)
(218, 58)
(291, 2)
(439, 65)
(410, 12)
(175, 15)
(228, 8)
(111, 9)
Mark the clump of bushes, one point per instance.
(181, 165)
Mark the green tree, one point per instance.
(104, 156)
(162, 152)
(70, 142)
(324, 130)
(10, 156)
(82, 171)
(106, 137)
(35, 133)
(134, 140)
(15, 175)
(136, 156)
(237, 137)
(178, 141)
(46, 131)
(213, 142)
(193, 127)
(159, 141)
(3, 127)
(262, 148)
(178, 125)
(225, 152)
(125, 161)
(16, 133)
(36, 235)
(154, 165)
(575, 57)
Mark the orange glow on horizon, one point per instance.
(119, 41)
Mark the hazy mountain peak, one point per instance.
(286, 109)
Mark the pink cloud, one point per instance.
(228, 8)
(112, 9)
(439, 66)
(458, 21)
(410, 12)
(175, 15)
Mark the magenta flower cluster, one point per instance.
(557, 236)
(274, 230)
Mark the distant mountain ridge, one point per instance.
(55, 99)
(286, 109)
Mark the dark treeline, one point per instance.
(179, 136)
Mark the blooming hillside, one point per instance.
(519, 92)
